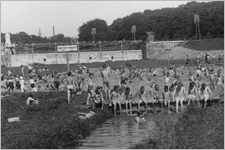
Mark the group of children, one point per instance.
(174, 91)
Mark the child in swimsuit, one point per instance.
(31, 100)
(158, 96)
(79, 83)
(142, 96)
(166, 98)
(127, 95)
(97, 99)
(192, 93)
(115, 98)
(140, 117)
(205, 93)
(90, 87)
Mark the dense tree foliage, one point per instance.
(167, 23)
(85, 31)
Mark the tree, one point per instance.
(85, 31)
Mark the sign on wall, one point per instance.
(67, 48)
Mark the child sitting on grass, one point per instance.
(31, 100)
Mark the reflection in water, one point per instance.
(121, 132)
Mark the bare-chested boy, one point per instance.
(106, 76)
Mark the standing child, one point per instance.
(56, 80)
(70, 86)
(22, 70)
(79, 83)
(22, 84)
(11, 83)
(106, 77)
(90, 88)
(30, 68)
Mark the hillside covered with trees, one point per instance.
(167, 23)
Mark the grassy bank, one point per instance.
(196, 129)
(206, 44)
(51, 124)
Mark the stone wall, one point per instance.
(85, 57)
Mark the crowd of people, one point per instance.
(169, 90)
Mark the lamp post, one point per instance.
(168, 59)
(55, 52)
(78, 49)
(100, 47)
(32, 52)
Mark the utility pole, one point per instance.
(197, 27)
(100, 47)
(32, 52)
(55, 52)
(168, 59)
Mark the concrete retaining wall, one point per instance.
(85, 57)
(154, 49)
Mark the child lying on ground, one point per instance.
(84, 116)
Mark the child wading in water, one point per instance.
(140, 117)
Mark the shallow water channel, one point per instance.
(122, 131)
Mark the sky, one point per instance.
(68, 16)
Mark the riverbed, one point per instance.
(121, 131)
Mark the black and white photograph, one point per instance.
(112, 74)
